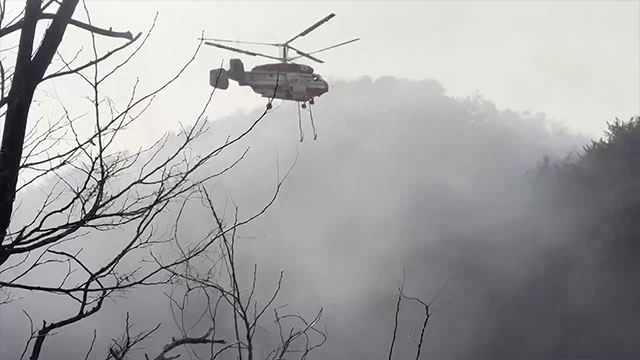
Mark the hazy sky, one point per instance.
(577, 61)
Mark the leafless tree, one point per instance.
(209, 286)
(91, 187)
(423, 328)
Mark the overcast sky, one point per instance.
(576, 61)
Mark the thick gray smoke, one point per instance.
(405, 178)
(402, 176)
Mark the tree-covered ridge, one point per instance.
(579, 295)
(601, 180)
(605, 179)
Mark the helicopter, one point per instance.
(284, 80)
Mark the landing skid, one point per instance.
(313, 126)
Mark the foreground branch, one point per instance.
(94, 29)
(204, 339)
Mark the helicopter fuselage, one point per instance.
(286, 81)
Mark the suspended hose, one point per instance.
(300, 124)
(315, 134)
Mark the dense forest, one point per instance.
(570, 291)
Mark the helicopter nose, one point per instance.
(325, 86)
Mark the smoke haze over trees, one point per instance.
(537, 255)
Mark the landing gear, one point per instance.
(311, 102)
(304, 105)
(269, 105)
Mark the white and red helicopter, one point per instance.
(284, 80)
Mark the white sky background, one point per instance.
(576, 61)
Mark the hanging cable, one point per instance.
(315, 134)
(300, 123)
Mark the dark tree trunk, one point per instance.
(28, 73)
(11, 150)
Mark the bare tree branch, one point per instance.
(119, 349)
(204, 339)
(427, 316)
(93, 29)
(92, 62)
(395, 318)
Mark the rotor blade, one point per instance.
(335, 46)
(251, 53)
(312, 27)
(302, 53)
(240, 42)
(321, 50)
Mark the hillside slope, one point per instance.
(401, 176)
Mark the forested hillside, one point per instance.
(560, 281)
(530, 235)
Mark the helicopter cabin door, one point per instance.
(299, 87)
